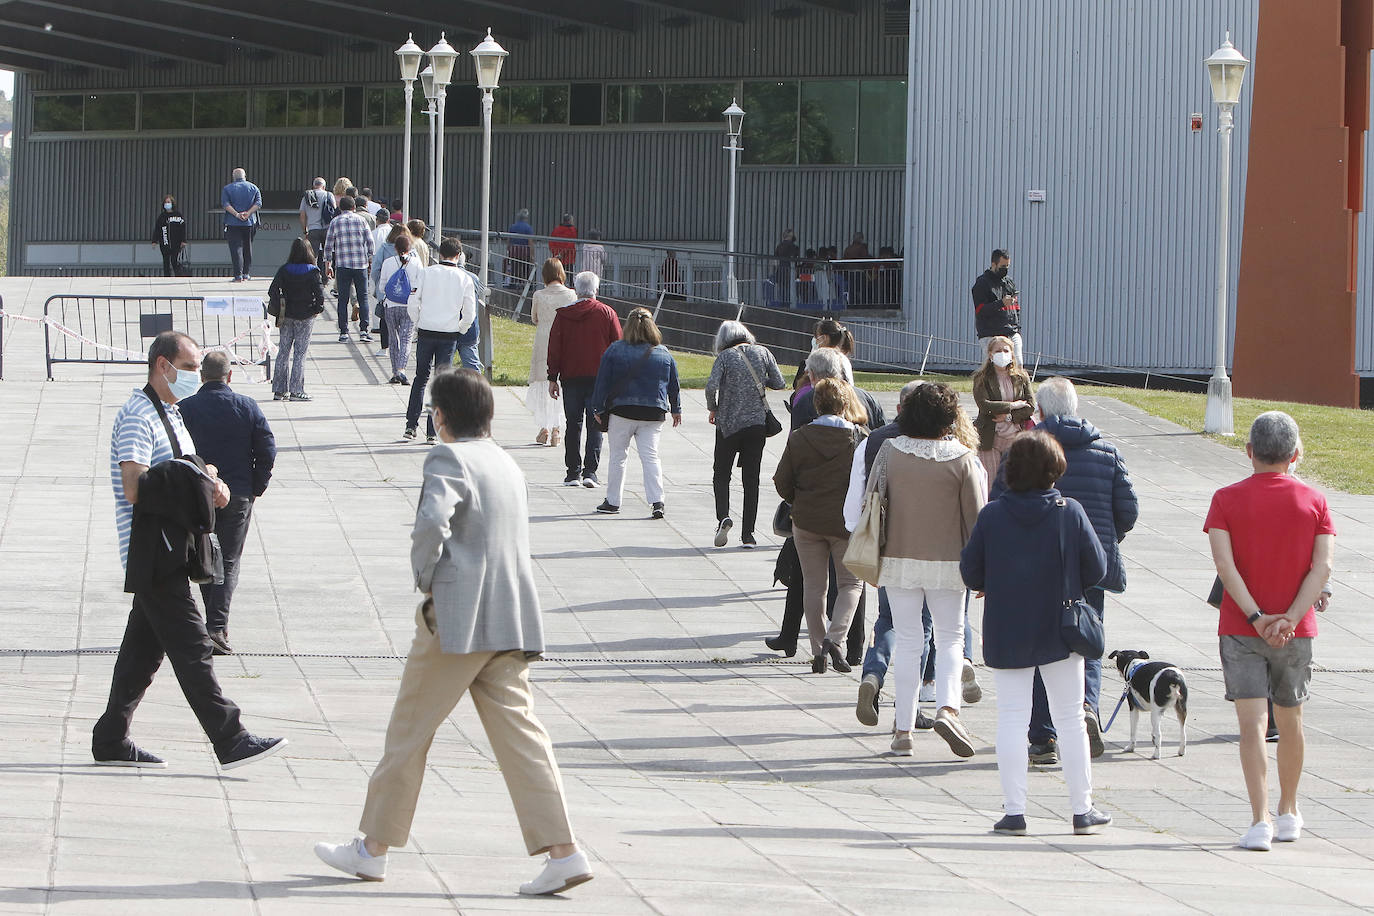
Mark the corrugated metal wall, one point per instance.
(1088, 101)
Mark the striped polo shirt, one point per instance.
(139, 436)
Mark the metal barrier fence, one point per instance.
(115, 329)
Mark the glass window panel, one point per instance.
(642, 104)
(882, 122)
(555, 105)
(166, 111)
(525, 104)
(584, 104)
(696, 103)
(770, 123)
(462, 108)
(828, 122)
(112, 111)
(303, 108)
(269, 108)
(613, 112)
(374, 113)
(57, 112)
(331, 107)
(221, 109)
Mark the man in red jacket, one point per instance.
(581, 332)
(564, 251)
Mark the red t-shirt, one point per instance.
(1273, 520)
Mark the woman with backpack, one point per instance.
(396, 281)
(296, 296)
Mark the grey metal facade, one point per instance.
(634, 183)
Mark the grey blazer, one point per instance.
(470, 549)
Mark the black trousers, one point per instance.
(577, 396)
(856, 640)
(231, 527)
(165, 620)
(170, 268)
(745, 448)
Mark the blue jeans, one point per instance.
(577, 410)
(348, 280)
(878, 658)
(467, 348)
(1041, 728)
(240, 240)
(436, 352)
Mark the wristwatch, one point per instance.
(1253, 617)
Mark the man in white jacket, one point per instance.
(443, 308)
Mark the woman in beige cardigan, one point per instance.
(1002, 391)
(544, 304)
(935, 487)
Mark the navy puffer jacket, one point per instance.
(1097, 478)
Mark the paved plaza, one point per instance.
(703, 772)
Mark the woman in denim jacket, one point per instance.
(637, 386)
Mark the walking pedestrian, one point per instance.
(580, 334)
(1030, 551)
(317, 208)
(231, 433)
(418, 229)
(384, 248)
(443, 308)
(476, 630)
(348, 251)
(397, 279)
(169, 235)
(1272, 540)
(241, 200)
(544, 305)
(813, 475)
(636, 389)
(165, 496)
(737, 407)
(934, 488)
(297, 291)
(1002, 391)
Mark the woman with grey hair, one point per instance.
(737, 403)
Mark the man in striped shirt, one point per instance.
(164, 619)
(348, 248)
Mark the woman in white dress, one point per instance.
(548, 413)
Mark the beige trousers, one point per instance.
(815, 551)
(431, 686)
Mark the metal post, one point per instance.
(484, 314)
(926, 358)
(439, 169)
(433, 113)
(732, 288)
(406, 153)
(1219, 418)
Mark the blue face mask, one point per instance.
(186, 383)
(167, 207)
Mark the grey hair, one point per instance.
(214, 366)
(586, 284)
(1056, 397)
(319, 182)
(729, 334)
(827, 362)
(1274, 437)
(908, 389)
(522, 213)
(240, 174)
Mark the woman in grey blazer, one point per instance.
(476, 630)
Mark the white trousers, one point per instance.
(645, 434)
(947, 617)
(1064, 688)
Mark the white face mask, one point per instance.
(815, 345)
(1001, 359)
(167, 207)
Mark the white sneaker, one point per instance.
(902, 744)
(559, 875)
(927, 694)
(1287, 828)
(351, 859)
(972, 692)
(1258, 837)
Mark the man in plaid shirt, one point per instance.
(348, 248)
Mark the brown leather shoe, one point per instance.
(220, 639)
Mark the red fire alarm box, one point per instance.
(1195, 120)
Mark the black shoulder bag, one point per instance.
(205, 560)
(1079, 625)
(603, 420)
(771, 424)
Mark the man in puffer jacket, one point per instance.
(1097, 478)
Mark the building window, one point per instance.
(220, 110)
(827, 125)
(112, 111)
(825, 122)
(387, 107)
(882, 122)
(57, 112)
(671, 103)
(298, 108)
(531, 105)
(770, 123)
(167, 110)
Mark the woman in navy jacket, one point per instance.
(637, 386)
(1014, 556)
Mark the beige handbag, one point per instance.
(863, 557)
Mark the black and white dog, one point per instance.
(1155, 686)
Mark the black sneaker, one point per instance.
(1012, 825)
(1094, 726)
(1090, 822)
(280, 396)
(404, 380)
(658, 510)
(606, 508)
(1272, 735)
(127, 754)
(220, 643)
(250, 749)
(924, 723)
(1045, 754)
(343, 338)
(365, 337)
(748, 543)
(429, 440)
(300, 396)
(409, 433)
(723, 532)
(394, 380)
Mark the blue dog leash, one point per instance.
(1124, 694)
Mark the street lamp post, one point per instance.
(441, 58)
(1226, 70)
(734, 122)
(427, 84)
(488, 57)
(409, 55)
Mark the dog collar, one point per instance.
(1135, 666)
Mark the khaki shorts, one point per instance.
(1254, 670)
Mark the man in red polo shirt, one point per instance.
(1272, 540)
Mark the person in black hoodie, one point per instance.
(997, 304)
(169, 235)
(295, 297)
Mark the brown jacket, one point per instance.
(813, 475)
(987, 394)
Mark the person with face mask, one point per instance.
(997, 304)
(1002, 391)
(169, 235)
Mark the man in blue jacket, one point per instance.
(231, 433)
(1097, 478)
